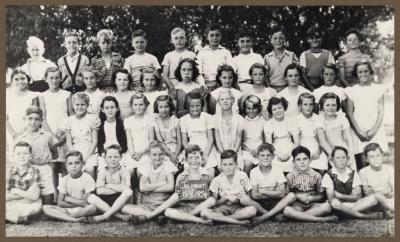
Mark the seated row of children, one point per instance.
(230, 197)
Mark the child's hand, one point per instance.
(14, 191)
(232, 198)
(303, 197)
(370, 134)
(173, 158)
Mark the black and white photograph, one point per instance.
(199, 121)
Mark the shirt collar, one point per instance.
(113, 172)
(14, 170)
(254, 119)
(308, 171)
(347, 172)
(25, 133)
(272, 53)
(42, 59)
(75, 57)
(207, 47)
(202, 170)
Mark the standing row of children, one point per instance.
(90, 121)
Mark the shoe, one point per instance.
(161, 220)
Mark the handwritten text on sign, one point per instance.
(193, 190)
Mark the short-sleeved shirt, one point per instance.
(228, 129)
(339, 91)
(243, 62)
(22, 181)
(379, 180)
(139, 130)
(222, 186)
(236, 93)
(293, 108)
(273, 179)
(106, 176)
(35, 69)
(340, 123)
(308, 181)
(124, 103)
(41, 142)
(185, 176)
(197, 128)
(168, 134)
(172, 59)
(136, 63)
(95, 99)
(253, 132)
(347, 62)
(209, 60)
(77, 187)
(105, 73)
(328, 183)
(56, 107)
(276, 66)
(16, 113)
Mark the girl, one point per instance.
(81, 132)
(139, 129)
(122, 81)
(226, 79)
(279, 132)
(197, 128)
(291, 93)
(228, 125)
(336, 126)
(167, 127)
(90, 76)
(258, 73)
(365, 110)
(151, 82)
(308, 128)
(252, 130)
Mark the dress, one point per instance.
(293, 108)
(334, 130)
(167, 134)
(252, 136)
(265, 96)
(95, 99)
(124, 102)
(236, 93)
(151, 97)
(172, 59)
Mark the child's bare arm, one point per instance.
(349, 110)
(278, 192)
(76, 202)
(220, 201)
(372, 132)
(218, 142)
(130, 143)
(70, 109)
(104, 191)
(210, 142)
(146, 186)
(256, 194)
(185, 141)
(32, 193)
(62, 203)
(178, 146)
(92, 146)
(9, 128)
(353, 197)
(239, 138)
(169, 186)
(68, 139)
(342, 74)
(306, 81)
(116, 187)
(165, 75)
(323, 142)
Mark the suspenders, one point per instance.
(73, 75)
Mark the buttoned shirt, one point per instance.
(40, 142)
(307, 181)
(107, 176)
(22, 181)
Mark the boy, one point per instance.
(74, 190)
(313, 60)
(22, 186)
(43, 147)
(212, 56)
(71, 64)
(343, 188)
(245, 59)
(278, 59)
(231, 191)
(172, 59)
(113, 187)
(268, 183)
(140, 59)
(310, 204)
(378, 179)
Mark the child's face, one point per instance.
(53, 79)
(80, 107)
(21, 155)
(301, 162)
(20, 82)
(33, 121)
(90, 80)
(139, 44)
(363, 74)
(164, 109)
(329, 76)
(330, 106)
(278, 111)
(195, 107)
(74, 165)
(228, 166)
(352, 41)
(340, 159)
(122, 81)
(109, 109)
(187, 72)
(105, 45)
(179, 40)
(307, 106)
(138, 106)
(258, 76)
(214, 38)
(251, 111)
(265, 157)
(293, 77)
(315, 41)
(278, 40)
(34, 51)
(149, 81)
(245, 44)
(375, 158)
(225, 101)
(157, 156)
(112, 158)
(226, 79)
(194, 160)
(71, 44)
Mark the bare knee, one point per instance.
(291, 197)
(47, 208)
(326, 207)
(336, 204)
(205, 212)
(91, 209)
(127, 192)
(287, 211)
(170, 212)
(252, 211)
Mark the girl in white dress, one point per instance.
(151, 82)
(90, 78)
(122, 81)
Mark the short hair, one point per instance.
(245, 33)
(266, 146)
(71, 34)
(354, 31)
(81, 96)
(17, 71)
(140, 95)
(305, 95)
(164, 98)
(106, 34)
(326, 96)
(227, 68)
(89, 69)
(177, 30)
(228, 91)
(194, 94)
(256, 101)
(337, 148)
(52, 69)
(113, 146)
(300, 149)
(193, 149)
(74, 153)
(123, 71)
(359, 63)
(371, 147)
(177, 71)
(227, 154)
(154, 72)
(213, 27)
(314, 31)
(276, 101)
(33, 40)
(34, 109)
(293, 66)
(139, 33)
(109, 99)
(329, 66)
(258, 65)
(156, 144)
(278, 29)
(23, 144)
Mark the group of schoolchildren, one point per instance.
(275, 137)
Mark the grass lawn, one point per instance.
(345, 228)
